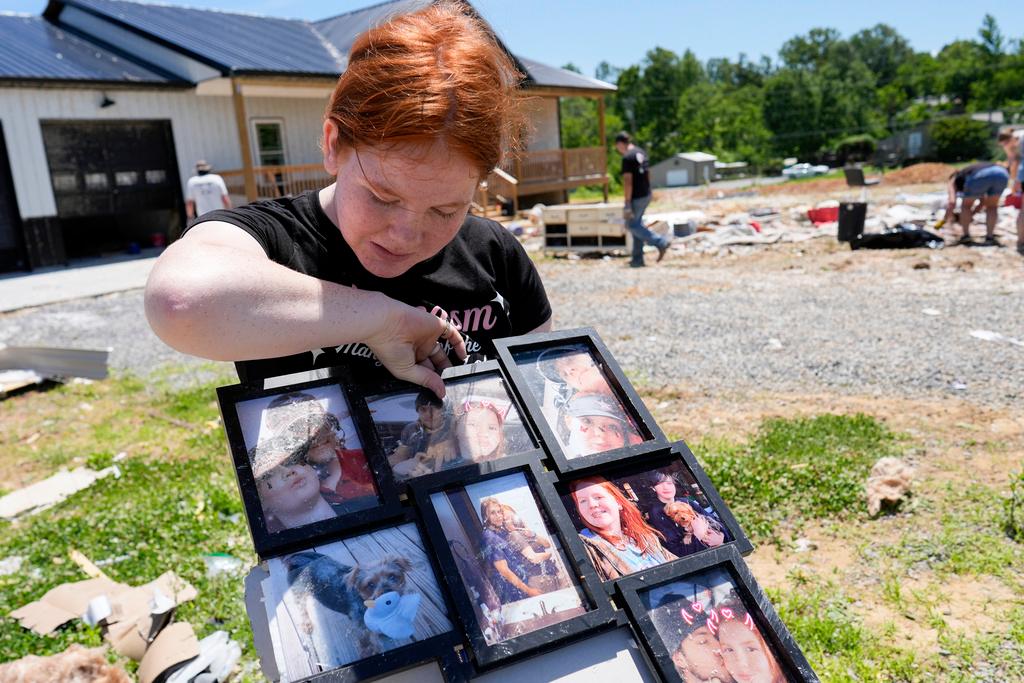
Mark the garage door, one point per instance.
(111, 167)
(677, 177)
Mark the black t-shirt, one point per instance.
(483, 280)
(960, 177)
(635, 161)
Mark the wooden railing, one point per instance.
(529, 173)
(278, 181)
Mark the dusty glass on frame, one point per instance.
(577, 400)
(334, 604)
(508, 558)
(476, 422)
(306, 457)
(641, 519)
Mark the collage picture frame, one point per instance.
(522, 584)
(647, 513)
(534, 518)
(579, 399)
(302, 463)
(706, 616)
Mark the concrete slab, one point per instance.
(81, 279)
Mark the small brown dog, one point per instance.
(695, 525)
(75, 665)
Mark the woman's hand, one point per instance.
(410, 343)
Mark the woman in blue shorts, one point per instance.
(978, 185)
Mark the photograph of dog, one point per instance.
(339, 603)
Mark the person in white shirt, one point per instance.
(205, 192)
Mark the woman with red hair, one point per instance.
(617, 539)
(382, 270)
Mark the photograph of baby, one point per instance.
(335, 604)
(710, 631)
(577, 400)
(510, 562)
(476, 422)
(632, 522)
(306, 457)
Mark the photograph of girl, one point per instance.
(510, 562)
(712, 635)
(577, 400)
(335, 604)
(306, 457)
(476, 422)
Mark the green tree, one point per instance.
(792, 103)
(961, 138)
(883, 50)
(809, 52)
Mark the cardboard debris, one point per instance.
(62, 604)
(175, 645)
(888, 484)
(218, 655)
(48, 492)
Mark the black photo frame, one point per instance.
(475, 391)
(615, 403)
(245, 410)
(446, 649)
(695, 588)
(634, 486)
(492, 635)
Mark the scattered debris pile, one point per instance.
(888, 484)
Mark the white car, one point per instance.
(804, 170)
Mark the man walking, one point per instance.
(636, 187)
(205, 192)
(1014, 148)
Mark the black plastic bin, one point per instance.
(851, 220)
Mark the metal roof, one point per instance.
(32, 49)
(228, 41)
(697, 156)
(553, 77)
(341, 30)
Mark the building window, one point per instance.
(65, 182)
(269, 138)
(96, 181)
(156, 176)
(126, 178)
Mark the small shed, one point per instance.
(687, 168)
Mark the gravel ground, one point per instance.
(812, 318)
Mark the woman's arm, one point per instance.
(509, 575)
(534, 556)
(215, 294)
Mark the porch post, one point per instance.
(242, 123)
(602, 133)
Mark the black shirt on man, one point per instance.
(635, 161)
(483, 280)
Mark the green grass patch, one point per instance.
(834, 641)
(794, 471)
(1013, 508)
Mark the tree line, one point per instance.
(825, 96)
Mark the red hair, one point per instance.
(643, 535)
(438, 73)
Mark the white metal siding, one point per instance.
(303, 125)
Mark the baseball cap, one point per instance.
(202, 165)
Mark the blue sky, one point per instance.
(587, 31)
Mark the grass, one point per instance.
(176, 501)
(794, 471)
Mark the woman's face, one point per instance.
(702, 654)
(323, 448)
(479, 433)
(289, 489)
(743, 654)
(597, 507)
(398, 206)
(495, 516)
(665, 490)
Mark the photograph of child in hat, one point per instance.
(510, 562)
(331, 605)
(711, 633)
(476, 422)
(577, 400)
(306, 457)
(662, 514)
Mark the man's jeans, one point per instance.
(640, 233)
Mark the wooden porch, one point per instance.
(529, 174)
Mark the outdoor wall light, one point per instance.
(106, 102)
